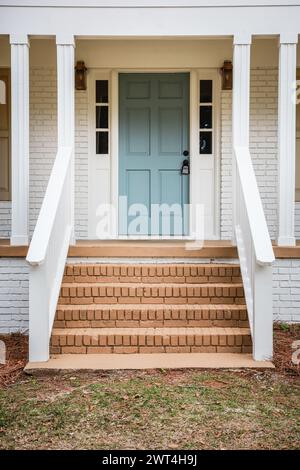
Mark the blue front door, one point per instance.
(153, 143)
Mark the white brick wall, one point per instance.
(43, 145)
(263, 139)
(5, 219)
(226, 162)
(43, 135)
(286, 290)
(263, 146)
(13, 295)
(43, 139)
(81, 164)
(43, 148)
(297, 220)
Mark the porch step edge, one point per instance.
(152, 284)
(139, 361)
(173, 340)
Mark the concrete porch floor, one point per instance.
(149, 248)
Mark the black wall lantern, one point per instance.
(226, 72)
(80, 76)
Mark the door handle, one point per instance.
(185, 153)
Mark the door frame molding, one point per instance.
(113, 160)
(104, 162)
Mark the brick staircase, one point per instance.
(151, 308)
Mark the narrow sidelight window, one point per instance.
(206, 117)
(102, 117)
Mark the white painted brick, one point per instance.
(297, 220)
(81, 164)
(286, 290)
(5, 219)
(13, 295)
(263, 148)
(43, 148)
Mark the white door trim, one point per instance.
(99, 167)
(205, 169)
(112, 160)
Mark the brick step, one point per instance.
(149, 340)
(151, 273)
(133, 293)
(107, 316)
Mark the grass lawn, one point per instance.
(179, 409)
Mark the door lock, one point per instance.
(185, 169)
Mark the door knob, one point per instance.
(185, 153)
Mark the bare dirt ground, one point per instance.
(156, 409)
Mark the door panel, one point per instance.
(138, 89)
(173, 191)
(170, 131)
(153, 133)
(138, 188)
(138, 131)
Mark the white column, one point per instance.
(240, 107)
(20, 138)
(286, 139)
(66, 102)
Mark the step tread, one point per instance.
(121, 306)
(150, 284)
(167, 264)
(162, 331)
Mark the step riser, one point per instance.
(148, 349)
(126, 343)
(150, 274)
(109, 318)
(153, 295)
(153, 308)
(159, 269)
(150, 323)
